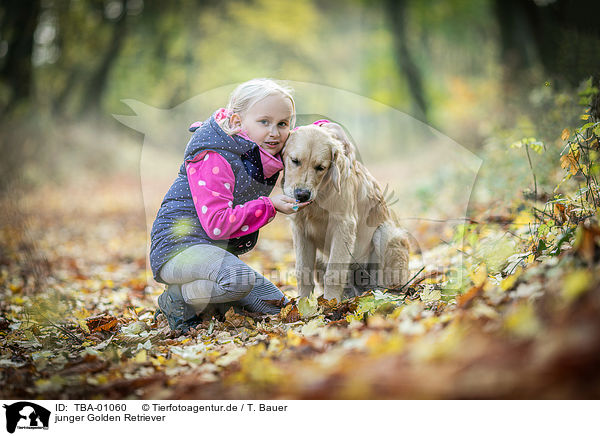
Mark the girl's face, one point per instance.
(267, 122)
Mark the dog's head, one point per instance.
(313, 158)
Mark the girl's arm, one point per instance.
(212, 183)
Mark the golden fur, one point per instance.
(348, 228)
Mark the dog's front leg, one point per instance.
(305, 262)
(342, 236)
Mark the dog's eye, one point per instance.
(319, 168)
(295, 161)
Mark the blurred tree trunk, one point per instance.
(92, 96)
(517, 46)
(18, 26)
(595, 106)
(396, 15)
(563, 36)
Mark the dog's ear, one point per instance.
(336, 166)
(282, 178)
(339, 133)
(284, 148)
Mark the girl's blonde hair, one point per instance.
(251, 92)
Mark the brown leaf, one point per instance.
(570, 162)
(559, 213)
(102, 323)
(329, 304)
(465, 299)
(4, 323)
(89, 364)
(235, 319)
(289, 313)
(276, 303)
(588, 241)
(339, 323)
(340, 311)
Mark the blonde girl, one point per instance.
(218, 202)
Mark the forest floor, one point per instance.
(77, 315)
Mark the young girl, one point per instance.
(219, 200)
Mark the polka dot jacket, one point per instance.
(228, 201)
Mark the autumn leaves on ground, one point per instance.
(507, 307)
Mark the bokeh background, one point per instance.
(425, 76)
(433, 93)
(471, 69)
(95, 99)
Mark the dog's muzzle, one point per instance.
(302, 194)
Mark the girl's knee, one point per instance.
(236, 282)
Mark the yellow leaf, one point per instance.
(81, 323)
(293, 339)
(233, 356)
(428, 323)
(158, 361)
(313, 326)
(576, 283)
(15, 288)
(430, 294)
(102, 379)
(565, 134)
(522, 321)
(388, 345)
(479, 276)
(510, 280)
(374, 340)
(141, 356)
(308, 307)
(523, 219)
(357, 317)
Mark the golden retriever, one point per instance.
(347, 237)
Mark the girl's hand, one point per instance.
(287, 205)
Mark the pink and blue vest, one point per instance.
(177, 226)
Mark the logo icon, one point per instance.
(26, 415)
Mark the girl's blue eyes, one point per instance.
(281, 124)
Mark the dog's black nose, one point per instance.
(301, 194)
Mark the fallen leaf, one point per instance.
(308, 307)
(102, 323)
(234, 319)
(313, 327)
(576, 283)
(430, 294)
(465, 299)
(289, 314)
(276, 303)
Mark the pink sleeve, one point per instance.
(212, 183)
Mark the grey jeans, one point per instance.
(211, 275)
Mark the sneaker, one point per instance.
(179, 315)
